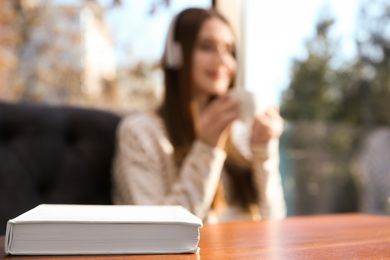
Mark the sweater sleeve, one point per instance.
(142, 175)
(265, 163)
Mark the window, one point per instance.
(91, 53)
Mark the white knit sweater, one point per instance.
(144, 171)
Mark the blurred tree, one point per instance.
(367, 94)
(330, 109)
(357, 93)
(319, 152)
(43, 55)
(9, 40)
(312, 94)
(43, 58)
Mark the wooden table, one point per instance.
(344, 236)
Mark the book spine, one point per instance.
(8, 237)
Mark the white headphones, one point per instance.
(173, 58)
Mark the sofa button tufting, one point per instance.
(7, 134)
(70, 137)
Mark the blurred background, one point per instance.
(325, 63)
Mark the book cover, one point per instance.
(103, 229)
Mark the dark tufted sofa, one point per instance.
(53, 154)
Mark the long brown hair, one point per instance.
(178, 109)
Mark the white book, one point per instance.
(89, 229)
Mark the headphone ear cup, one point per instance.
(173, 57)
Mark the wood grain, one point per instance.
(344, 236)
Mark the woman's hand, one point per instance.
(267, 126)
(215, 120)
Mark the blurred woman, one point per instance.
(188, 152)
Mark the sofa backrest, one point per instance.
(53, 154)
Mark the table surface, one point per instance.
(336, 236)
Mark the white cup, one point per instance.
(251, 105)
